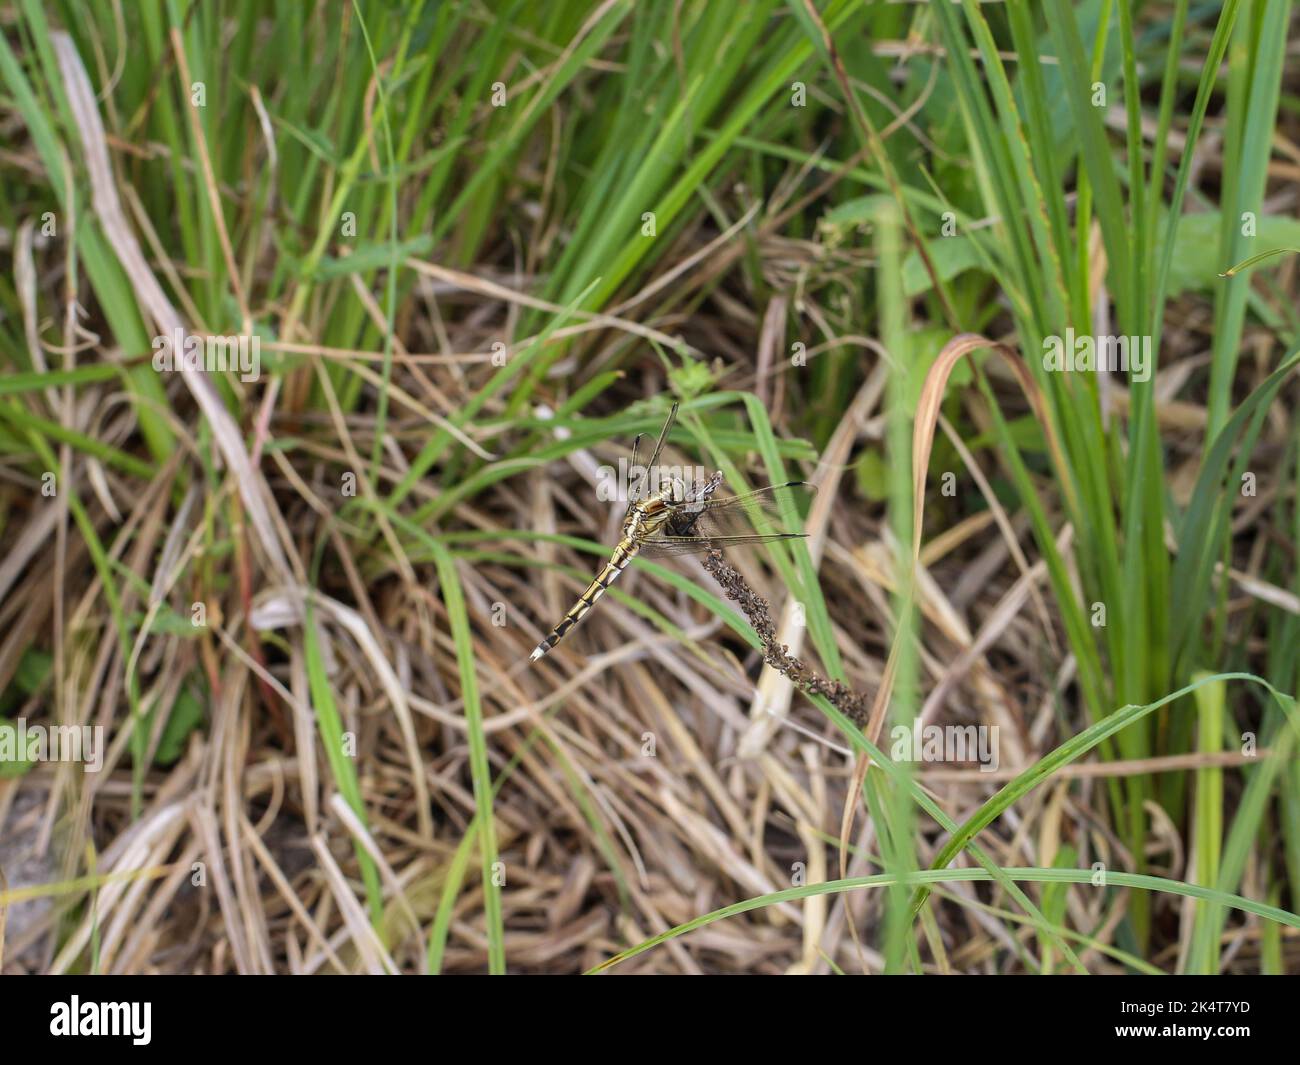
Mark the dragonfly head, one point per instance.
(704, 489)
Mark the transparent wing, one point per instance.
(639, 491)
(663, 435)
(731, 521)
(667, 546)
(636, 488)
(763, 510)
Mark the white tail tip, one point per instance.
(537, 653)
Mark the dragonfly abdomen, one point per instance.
(617, 564)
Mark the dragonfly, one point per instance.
(679, 518)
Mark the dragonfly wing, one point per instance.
(766, 509)
(663, 436)
(669, 546)
(798, 493)
(636, 452)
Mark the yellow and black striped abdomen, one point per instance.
(623, 554)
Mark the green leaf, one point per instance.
(951, 256)
(186, 716)
(13, 762)
(873, 475)
(1195, 266)
(374, 255)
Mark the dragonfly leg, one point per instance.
(704, 489)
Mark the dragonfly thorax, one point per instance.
(647, 516)
(671, 509)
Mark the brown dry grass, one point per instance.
(663, 838)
